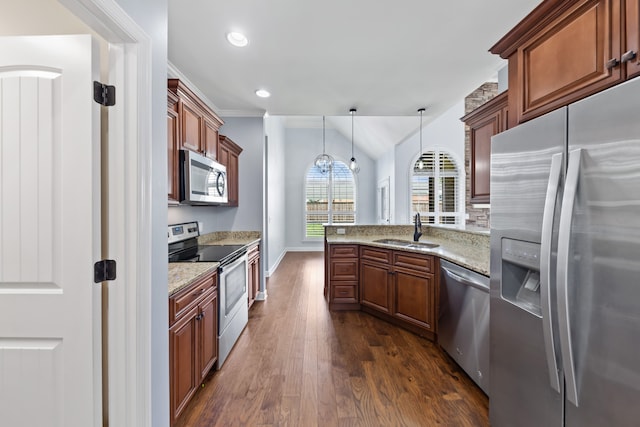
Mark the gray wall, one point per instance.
(248, 133)
(302, 146)
(275, 176)
(152, 16)
(385, 168)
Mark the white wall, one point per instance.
(248, 133)
(447, 133)
(302, 147)
(275, 176)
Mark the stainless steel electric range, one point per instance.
(233, 312)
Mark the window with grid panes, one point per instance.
(329, 198)
(435, 184)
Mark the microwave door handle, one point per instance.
(564, 241)
(545, 268)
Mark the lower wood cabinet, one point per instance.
(396, 285)
(253, 275)
(193, 340)
(343, 277)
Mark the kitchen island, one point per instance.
(381, 270)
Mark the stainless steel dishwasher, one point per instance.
(463, 326)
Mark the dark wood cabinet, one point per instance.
(376, 279)
(199, 125)
(565, 50)
(193, 340)
(632, 32)
(342, 266)
(228, 155)
(484, 122)
(210, 138)
(173, 131)
(253, 285)
(398, 286)
(414, 289)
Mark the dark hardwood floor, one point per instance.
(297, 364)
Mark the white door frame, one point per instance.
(129, 210)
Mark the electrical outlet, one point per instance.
(340, 231)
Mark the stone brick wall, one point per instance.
(478, 217)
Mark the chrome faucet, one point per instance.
(417, 227)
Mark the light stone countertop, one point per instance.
(182, 274)
(468, 249)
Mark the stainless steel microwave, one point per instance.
(204, 181)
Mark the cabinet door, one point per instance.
(183, 370)
(413, 297)
(173, 156)
(375, 291)
(233, 179)
(208, 334)
(633, 37)
(569, 59)
(481, 135)
(210, 138)
(191, 121)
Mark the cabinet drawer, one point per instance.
(345, 292)
(188, 297)
(422, 263)
(375, 254)
(344, 269)
(344, 251)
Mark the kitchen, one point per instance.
(211, 225)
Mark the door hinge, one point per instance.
(104, 94)
(104, 270)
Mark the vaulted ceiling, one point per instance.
(387, 59)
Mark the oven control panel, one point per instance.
(180, 232)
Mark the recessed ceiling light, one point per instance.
(237, 39)
(263, 93)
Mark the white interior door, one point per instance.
(50, 354)
(384, 208)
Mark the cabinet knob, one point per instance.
(628, 56)
(612, 63)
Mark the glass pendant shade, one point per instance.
(324, 161)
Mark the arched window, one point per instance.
(435, 186)
(330, 198)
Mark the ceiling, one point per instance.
(325, 57)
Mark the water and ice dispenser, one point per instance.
(521, 274)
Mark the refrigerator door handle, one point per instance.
(545, 268)
(564, 237)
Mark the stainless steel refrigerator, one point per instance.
(565, 266)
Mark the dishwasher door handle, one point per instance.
(465, 280)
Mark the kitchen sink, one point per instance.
(407, 243)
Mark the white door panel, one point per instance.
(49, 232)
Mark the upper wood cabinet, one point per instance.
(173, 131)
(565, 50)
(199, 125)
(484, 122)
(228, 155)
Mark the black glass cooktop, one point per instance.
(208, 253)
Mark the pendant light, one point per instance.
(324, 162)
(353, 165)
(420, 162)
